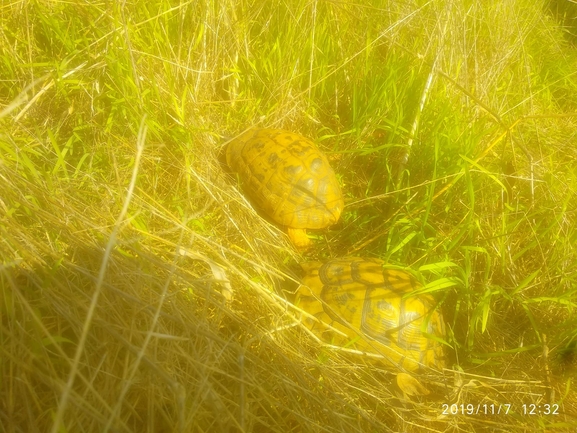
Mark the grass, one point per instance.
(142, 292)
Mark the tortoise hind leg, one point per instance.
(299, 238)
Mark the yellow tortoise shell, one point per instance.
(372, 306)
(288, 177)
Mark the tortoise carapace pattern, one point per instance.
(288, 178)
(373, 307)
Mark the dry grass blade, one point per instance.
(98, 286)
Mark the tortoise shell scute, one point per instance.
(288, 177)
(372, 305)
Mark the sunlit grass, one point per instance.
(453, 131)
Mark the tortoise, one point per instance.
(288, 178)
(370, 309)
